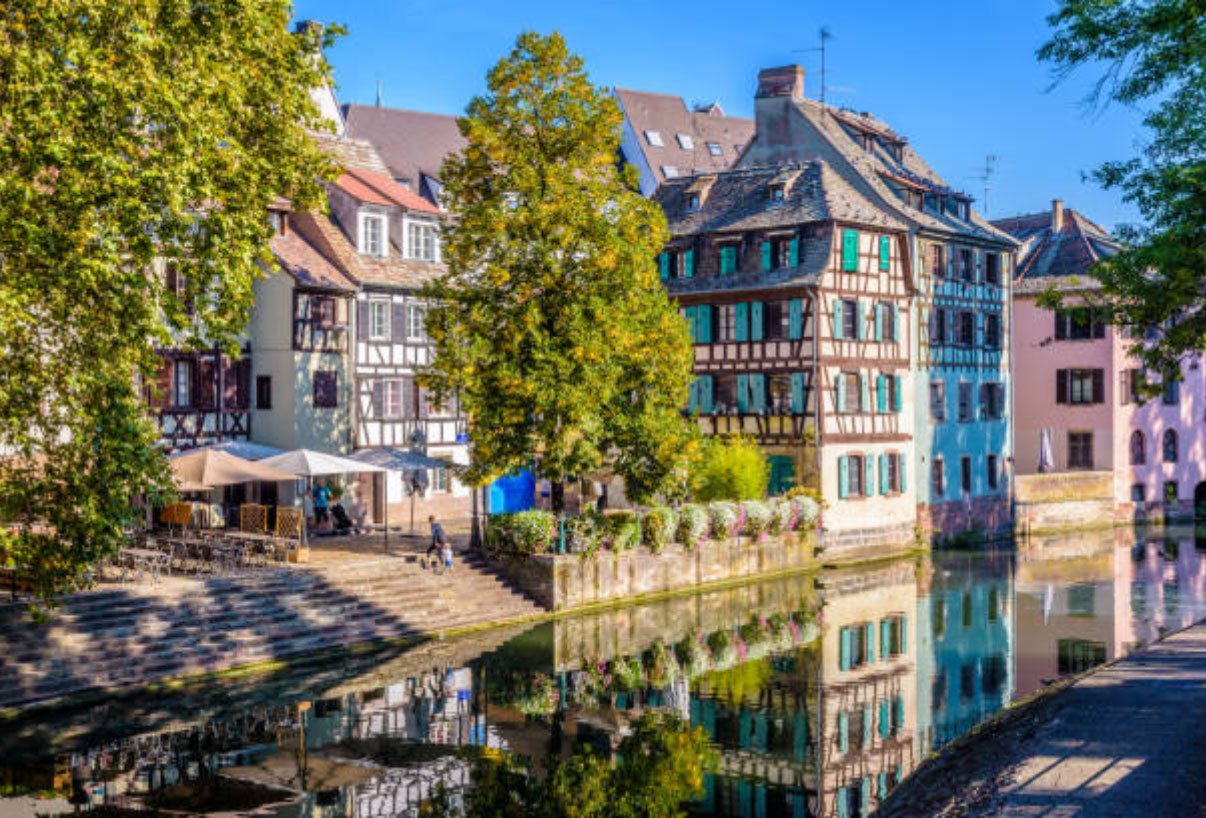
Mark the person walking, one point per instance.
(438, 538)
(446, 555)
(321, 494)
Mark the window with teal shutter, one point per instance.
(838, 322)
(728, 259)
(885, 719)
(767, 250)
(758, 392)
(865, 793)
(797, 393)
(689, 264)
(864, 393)
(840, 393)
(885, 253)
(896, 393)
(904, 621)
(743, 393)
(878, 312)
(663, 265)
(858, 320)
(869, 636)
(793, 252)
(843, 736)
(868, 726)
(703, 324)
(843, 493)
(868, 490)
(756, 321)
(895, 323)
(898, 725)
(706, 391)
(901, 471)
(881, 393)
(795, 316)
(845, 643)
(799, 736)
(689, 314)
(693, 396)
(882, 783)
(885, 642)
(883, 474)
(843, 802)
(742, 329)
(850, 250)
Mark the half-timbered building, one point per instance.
(797, 294)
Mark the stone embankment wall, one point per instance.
(1050, 502)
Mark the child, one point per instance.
(446, 555)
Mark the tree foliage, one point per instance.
(135, 134)
(552, 326)
(1153, 51)
(730, 468)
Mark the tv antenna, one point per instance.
(985, 176)
(825, 35)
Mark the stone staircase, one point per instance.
(130, 635)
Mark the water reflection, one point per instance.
(818, 694)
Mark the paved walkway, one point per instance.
(1129, 740)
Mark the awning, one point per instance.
(399, 459)
(239, 448)
(309, 463)
(204, 469)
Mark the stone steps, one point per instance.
(114, 638)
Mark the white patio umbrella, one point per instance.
(400, 460)
(1046, 460)
(310, 464)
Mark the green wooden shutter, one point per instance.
(728, 259)
(843, 802)
(840, 393)
(705, 394)
(758, 392)
(766, 256)
(839, 325)
(898, 725)
(858, 320)
(703, 324)
(864, 392)
(885, 642)
(881, 392)
(882, 783)
(849, 250)
(689, 264)
(793, 252)
(868, 726)
(895, 323)
(689, 314)
(868, 483)
(878, 312)
(795, 324)
(843, 732)
(843, 493)
(756, 321)
(904, 631)
(797, 393)
(743, 393)
(885, 718)
(883, 473)
(742, 328)
(799, 736)
(897, 397)
(901, 471)
(693, 396)
(869, 641)
(663, 265)
(844, 644)
(865, 792)
(885, 253)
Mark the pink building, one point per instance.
(1075, 383)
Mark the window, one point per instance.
(850, 317)
(966, 413)
(323, 311)
(392, 398)
(965, 474)
(854, 645)
(1138, 493)
(1128, 388)
(654, 138)
(1170, 446)
(937, 260)
(1170, 491)
(715, 149)
(849, 392)
(1080, 450)
(938, 400)
(670, 171)
(892, 636)
(992, 401)
(776, 320)
(855, 474)
(728, 259)
(994, 604)
(850, 250)
(421, 241)
(887, 388)
(685, 141)
(726, 394)
(992, 268)
(940, 328)
(1082, 600)
(416, 322)
(965, 265)
(1078, 324)
(439, 480)
(726, 322)
(326, 390)
(967, 682)
(182, 386)
(992, 331)
(938, 477)
(992, 473)
(263, 392)
(885, 254)
(372, 234)
(378, 328)
(1079, 655)
(276, 219)
(1138, 448)
(885, 321)
(965, 610)
(776, 192)
(779, 394)
(1171, 394)
(967, 329)
(891, 474)
(1080, 386)
(692, 201)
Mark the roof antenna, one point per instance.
(825, 36)
(990, 168)
(379, 92)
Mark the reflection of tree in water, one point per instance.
(657, 767)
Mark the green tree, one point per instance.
(552, 326)
(1153, 51)
(135, 133)
(730, 468)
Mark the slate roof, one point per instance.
(738, 200)
(301, 259)
(379, 188)
(412, 143)
(351, 153)
(670, 116)
(1060, 259)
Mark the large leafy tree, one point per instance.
(552, 326)
(1153, 53)
(135, 133)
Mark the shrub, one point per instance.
(621, 531)
(757, 517)
(724, 519)
(805, 491)
(730, 469)
(657, 530)
(584, 534)
(694, 655)
(807, 511)
(525, 532)
(663, 665)
(783, 516)
(693, 525)
(628, 673)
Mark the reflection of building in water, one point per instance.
(868, 687)
(1083, 601)
(965, 645)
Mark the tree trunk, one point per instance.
(557, 495)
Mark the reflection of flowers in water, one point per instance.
(540, 699)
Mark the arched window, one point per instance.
(1170, 446)
(1138, 449)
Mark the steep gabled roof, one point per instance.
(412, 143)
(303, 260)
(378, 188)
(1059, 258)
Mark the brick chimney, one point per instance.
(784, 81)
(1057, 215)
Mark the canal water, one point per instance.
(816, 694)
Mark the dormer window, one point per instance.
(685, 141)
(422, 241)
(715, 149)
(692, 202)
(654, 138)
(669, 171)
(277, 219)
(777, 192)
(373, 234)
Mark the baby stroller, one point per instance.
(343, 523)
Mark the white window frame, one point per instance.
(715, 149)
(384, 306)
(654, 138)
(416, 231)
(411, 309)
(685, 141)
(183, 374)
(365, 247)
(670, 171)
(393, 391)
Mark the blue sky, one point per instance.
(958, 79)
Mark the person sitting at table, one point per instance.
(358, 512)
(320, 494)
